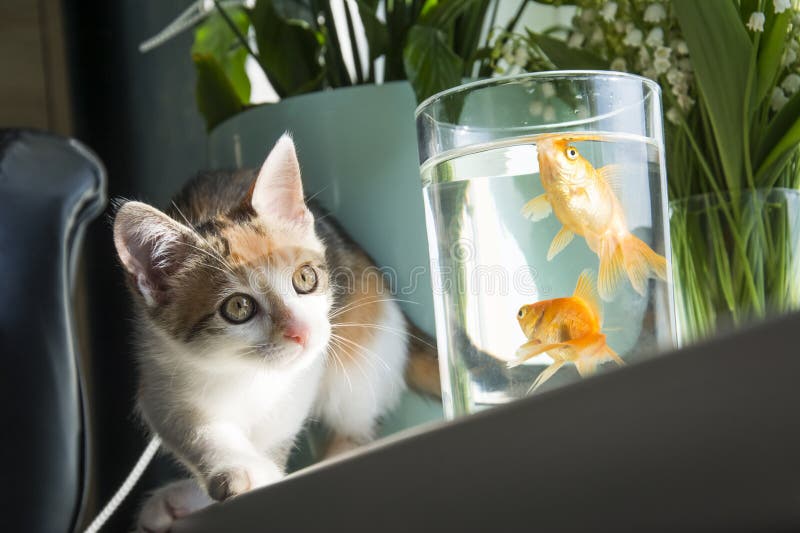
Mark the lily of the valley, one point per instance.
(655, 13)
(781, 5)
(756, 22)
(609, 11)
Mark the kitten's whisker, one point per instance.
(361, 303)
(215, 253)
(317, 193)
(332, 351)
(364, 348)
(354, 360)
(383, 327)
(227, 269)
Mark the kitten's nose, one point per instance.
(296, 332)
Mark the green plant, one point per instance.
(731, 79)
(432, 43)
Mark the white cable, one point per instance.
(126, 487)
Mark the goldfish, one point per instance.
(584, 201)
(568, 329)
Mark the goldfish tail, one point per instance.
(545, 374)
(593, 351)
(611, 268)
(641, 262)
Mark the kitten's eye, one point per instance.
(572, 153)
(304, 279)
(238, 308)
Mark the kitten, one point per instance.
(254, 313)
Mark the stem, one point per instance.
(353, 44)
(235, 30)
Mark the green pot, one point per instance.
(358, 153)
(736, 259)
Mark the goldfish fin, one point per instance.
(641, 262)
(560, 241)
(593, 350)
(586, 367)
(531, 349)
(612, 175)
(545, 374)
(538, 208)
(610, 269)
(586, 290)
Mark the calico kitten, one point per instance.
(254, 313)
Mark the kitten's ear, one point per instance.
(278, 190)
(151, 247)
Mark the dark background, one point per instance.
(137, 112)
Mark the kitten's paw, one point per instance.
(234, 480)
(169, 503)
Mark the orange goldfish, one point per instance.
(568, 329)
(583, 199)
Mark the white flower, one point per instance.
(619, 26)
(548, 90)
(778, 99)
(675, 76)
(650, 73)
(680, 47)
(549, 114)
(644, 57)
(633, 38)
(655, 13)
(597, 36)
(521, 56)
(661, 65)
(756, 22)
(789, 57)
(663, 52)
(576, 40)
(685, 101)
(791, 83)
(673, 115)
(655, 37)
(609, 11)
(781, 5)
(536, 108)
(587, 15)
(619, 64)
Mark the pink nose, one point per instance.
(296, 332)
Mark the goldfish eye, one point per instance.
(572, 153)
(521, 312)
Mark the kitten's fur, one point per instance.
(229, 399)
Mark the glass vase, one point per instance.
(736, 259)
(521, 306)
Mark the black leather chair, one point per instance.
(50, 188)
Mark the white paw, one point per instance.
(226, 482)
(169, 503)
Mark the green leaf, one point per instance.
(720, 59)
(214, 37)
(564, 57)
(288, 50)
(770, 51)
(781, 137)
(216, 96)
(375, 31)
(430, 64)
(440, 13)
